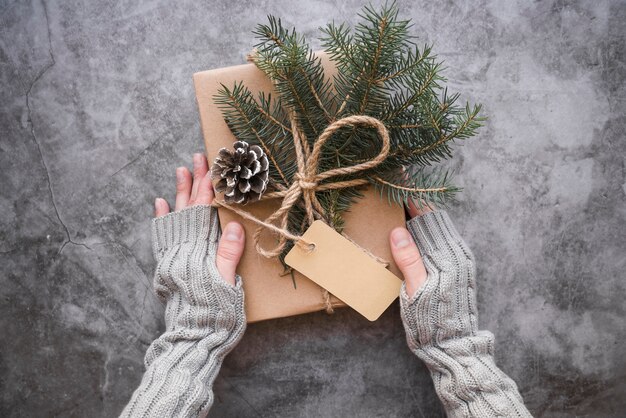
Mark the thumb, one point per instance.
(229, 251)
(408, 258)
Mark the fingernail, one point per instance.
(160, 206)
(233, 232)
(197, 159)
(180, 174)
(400, 238)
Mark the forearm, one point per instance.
(204, 319)
(182, 364)
(467, 380)
(441, 325)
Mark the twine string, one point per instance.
(307, 182)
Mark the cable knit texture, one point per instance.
(441, 326)
(204, 318)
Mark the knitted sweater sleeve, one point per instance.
(204, 318)
(441, 326)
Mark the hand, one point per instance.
(407, 255)
(440, 317)
(199, 191)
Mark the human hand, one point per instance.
(199, 191)
(204, 300)
(438, 299)
(440, 317)
(406, 254)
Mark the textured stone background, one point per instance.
(97, 109)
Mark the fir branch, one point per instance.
(405, 126)
(263, 110)
(466, 128)
(379, 47)
(413, 62)
(425, 85)
(416, 184)
(338, 44)
(382, 73)
(408, 189)
(241, 101)
(286, 58)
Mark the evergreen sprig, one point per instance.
(381, 72)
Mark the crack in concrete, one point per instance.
(240, 395)
(69, 241)
(105, 385)
(140, 326)
(36, 140)
(139, 155)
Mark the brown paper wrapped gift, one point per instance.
(269, 292)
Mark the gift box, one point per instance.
(269, 292)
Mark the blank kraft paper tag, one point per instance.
(346, 271)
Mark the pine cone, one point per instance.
(243, 173)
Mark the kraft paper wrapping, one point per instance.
(268, 292)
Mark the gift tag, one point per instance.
(346, 271)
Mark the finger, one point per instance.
(183, 187)
(205, 191)
(200, 168)
(229, 251)
(408, 259)
(161, 207)
(415, 210)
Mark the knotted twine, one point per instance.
(307, 181)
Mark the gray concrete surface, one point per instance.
(97, 109)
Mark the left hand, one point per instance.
(199, 191)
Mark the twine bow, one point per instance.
(307, 181)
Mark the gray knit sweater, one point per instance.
(441, 326)
(205, 318)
